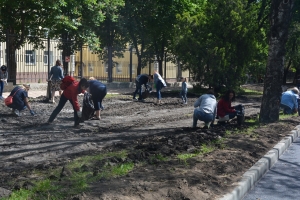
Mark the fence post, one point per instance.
(48, 82)
(130, 64)
(165, 67)
(110, 64)
(7, 54)
(150, 72)
(81, 63)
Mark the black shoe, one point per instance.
(205, 127)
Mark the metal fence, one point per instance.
(33, 64)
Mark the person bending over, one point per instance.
(70, 94)
(20, 100)
(289, 101)
(142, 79)
(98, 91)
(205, 109)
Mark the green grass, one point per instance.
(228, 132)
(244, 91)
(77, 181)
(283, 116)
(157, 157)
(205, 148)
(112, 95)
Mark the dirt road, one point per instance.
(28, 143)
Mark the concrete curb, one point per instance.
(256, 172)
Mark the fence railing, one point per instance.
(33, 64)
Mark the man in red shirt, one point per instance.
(70, 93)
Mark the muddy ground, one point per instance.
(143, 129)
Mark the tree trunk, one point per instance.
(179, 71)
(12, 65)
(139, 67)
(281, 11)
(286, 71)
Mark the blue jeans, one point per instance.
(138, 89)
(61, 104)
(286, 110)
(231, 115)
(1, 88)
(202, 116)
(159, 86)
(98, 96)
(183, 95)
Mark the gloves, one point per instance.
(32, 112)
(79, 114)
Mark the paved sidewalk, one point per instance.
(278, 181)
(282, 181)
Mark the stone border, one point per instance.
(256, 172)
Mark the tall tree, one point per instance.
(280, 18)
(20, 21)
(293, 45)
(218, 42)
(25, 21)
(136, 14)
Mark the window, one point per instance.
(46, 57)
(119, 68)
(29, 57)
(133, 69)
(91, 68)
(106, 67)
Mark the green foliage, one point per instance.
(219, 42)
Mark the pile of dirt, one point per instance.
(148, 132)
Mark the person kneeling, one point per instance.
(205, 109)
(227, 112)
(289, 101)
(20, 100)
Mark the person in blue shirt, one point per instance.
(3, 79)
(98, 91)
(56, 75)
(289, 102)
(20, 100)
(184, 90)
(142, 79)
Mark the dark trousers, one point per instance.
(98, 97)
(138, 89)
(1, 88)
(159, 86)
(61, 104)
